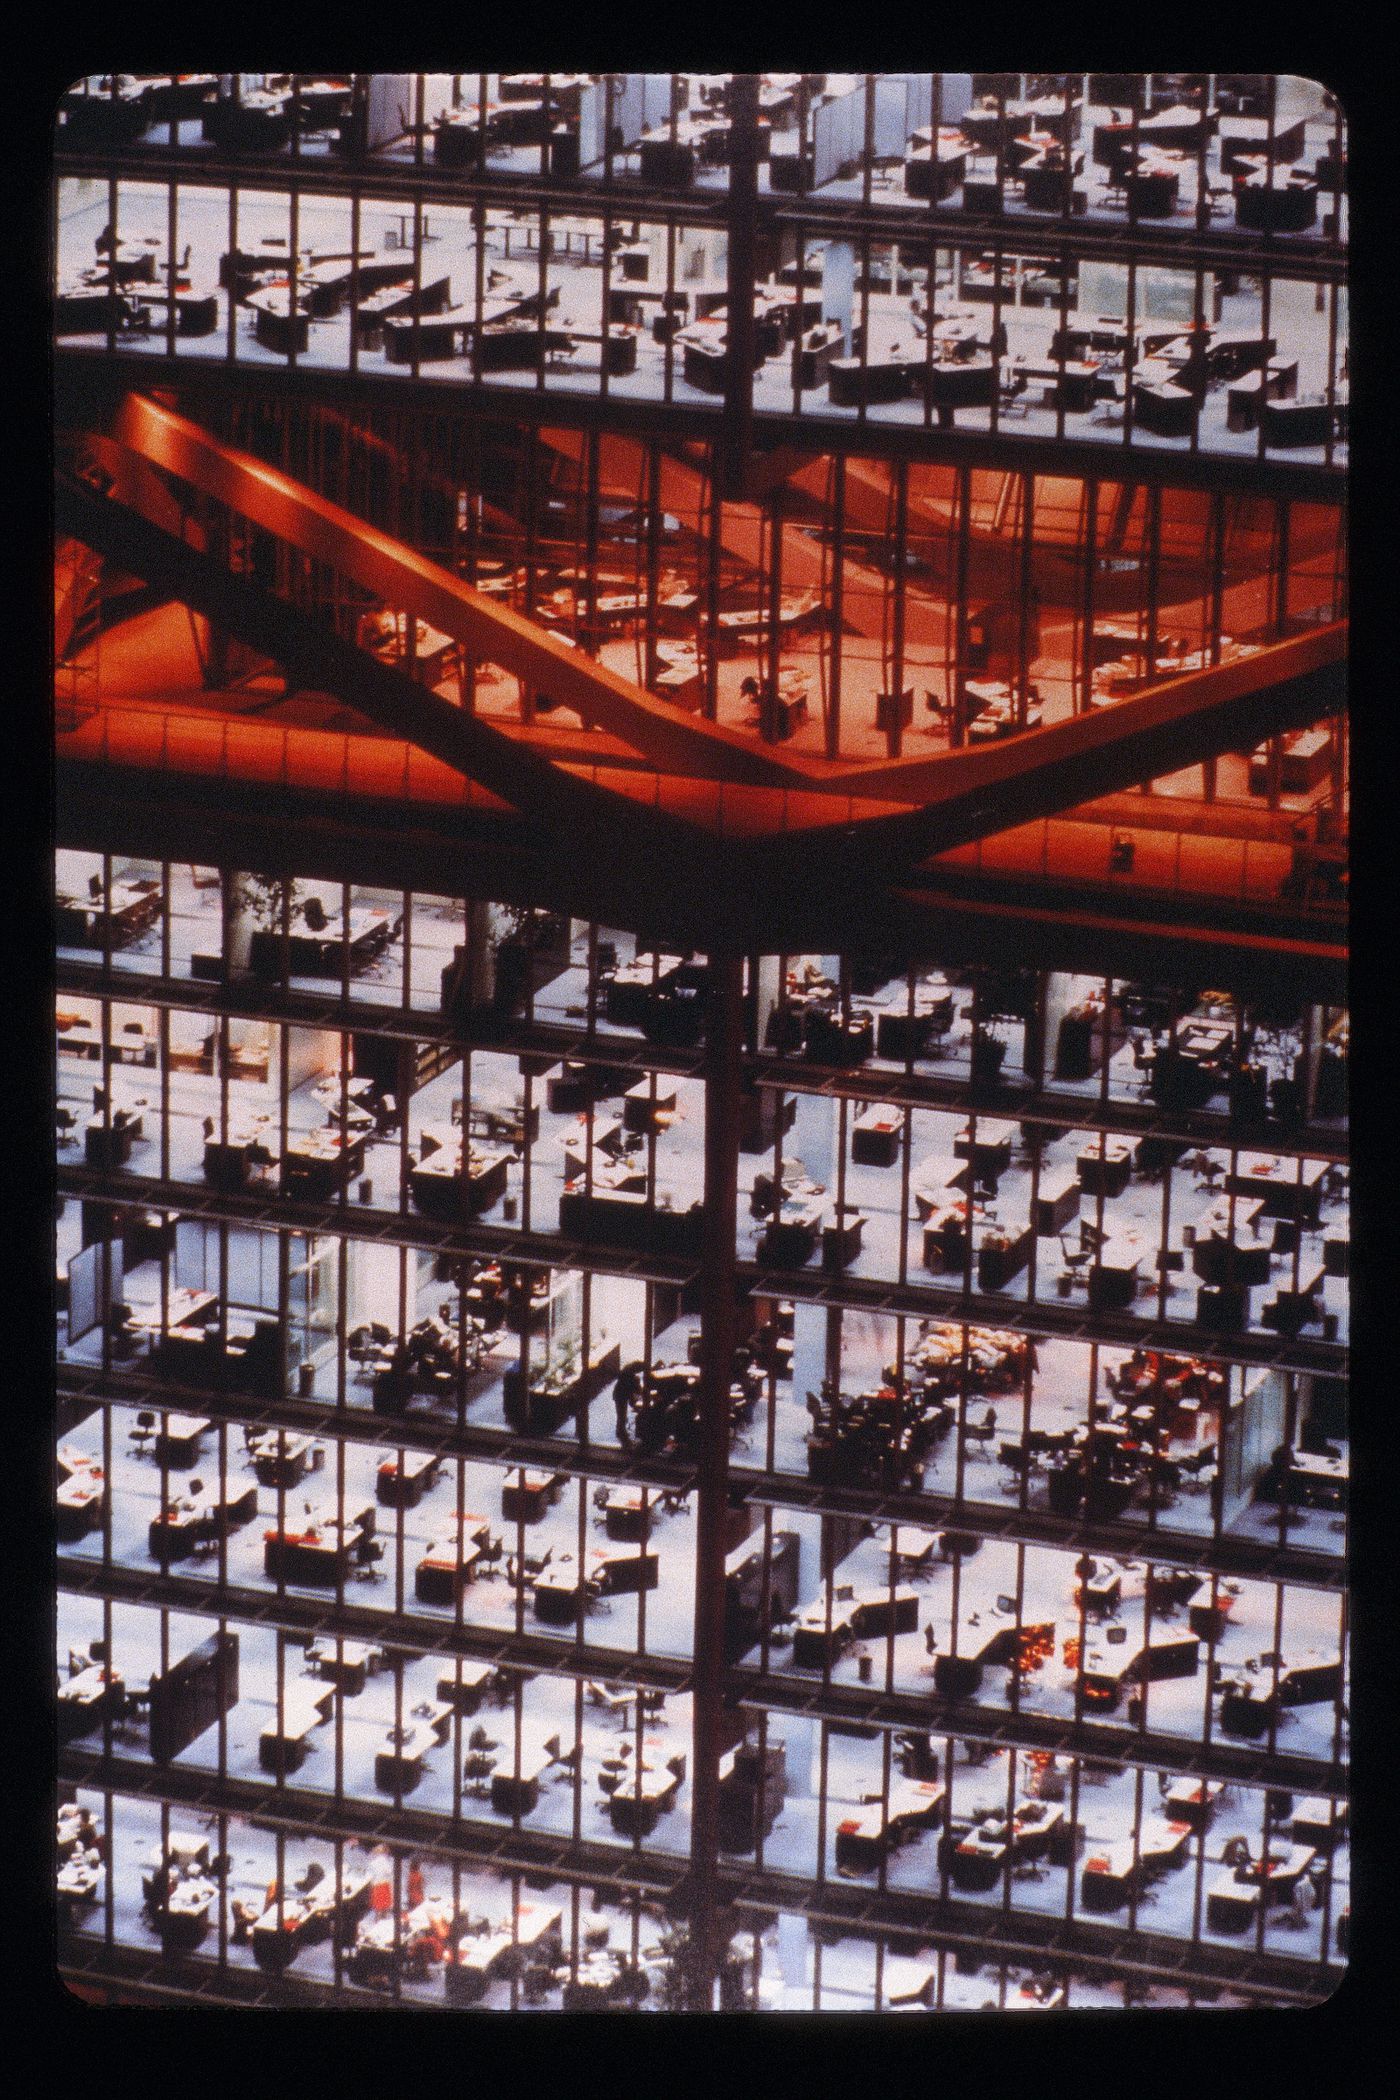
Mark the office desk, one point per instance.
(282, 1746)
(320, 1552)
(999, 718)
(1318, 1822)
(1218, 1259)
(87, 1699)
(862, 1841)
(630, 1513)
(307, 1919)
(323, 953)
(347, 1670)
(77, 1037)
(1056, 1202)
(196, 312)
(386, 636)
(1108, 1172)
(1291, 1309)
(1110, 1875)
(1245, 397)
(398, 1764)
(1244, 143)
(1151, 189)
(1287, 1188)
(704, 348)
(790, 1239)
(127, 914)
(279, 1457)
(1114, 1272)
(635, 1807)
(403, 1478)
(1317, 1483)
(842, 1237)
(875, 1136)
(640, 1112)
(76, 1886)
(560, 1587)
(992, 1642)
(1103, 1590)
(184, 1916)
(948, 385)
(278, 323)
(185, 1309)
(885, 378)
(394, 302)
(1305, 759)
(629, 991)
(1190, 1802)
(978, 1860)
(107, 1147)
(1278, 1875)
(470, 1969)
(447, 1566)
(991, 1156)
(1307, 421)
(1106, 1671)
(607, 1143)
(527, 1496)
(188, 1522)
(1002, 1254)
(437, 336)
(1276, 203)
(671, 165)
(1164, 409)
(467, 1683)
(81, 1502)
(1231, 1905)
(439, 1188)
(929, 1184)
(554, 1395)
(319, 1163)
(259, 121)
(229, 1162)
(515, 1783)
(863, 1614)
(178, 1439)
(900, 1035)
(935, 175)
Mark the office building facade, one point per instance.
(701, 1041)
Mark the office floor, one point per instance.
(666, 1613)
(150, 661)
(1107, 1810)
(1109, 1799)
(787, 1951)
(449, 249)
(986, 1588)
(811, 1144)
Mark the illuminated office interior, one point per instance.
(701, 1041)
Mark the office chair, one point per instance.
(1076, 1259)
(1144, 1062)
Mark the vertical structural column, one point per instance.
(717, 1332)
(743, 196)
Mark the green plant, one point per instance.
(267, 897)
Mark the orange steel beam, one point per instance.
(406, 579)
(649, 813)
(382, 565)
